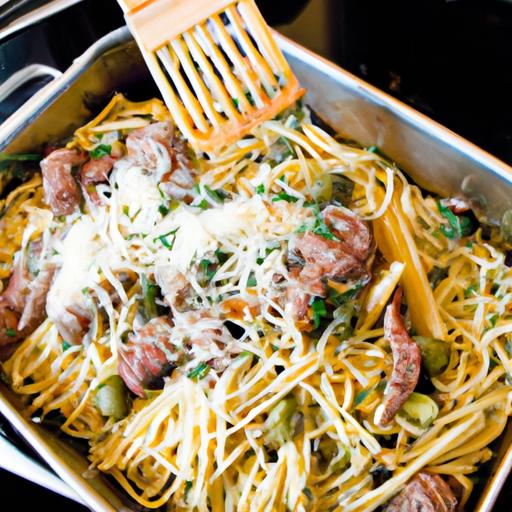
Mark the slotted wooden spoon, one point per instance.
(216, 64)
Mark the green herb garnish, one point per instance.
(251, 282)
(458, 226)
(318, 226)
(260, 189)
(165, 242)
(100, 150)
(206, 266)
(163, 210)
(65, 345)
(10, 332)
(199, 372)
(470, 291)
(319, 311)
(283, 196)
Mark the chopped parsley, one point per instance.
(199, 372)
(165, 242)
(458, 226)
(470, 291)
(217, 195)
(319, 311)
(100, 150)
(493, 319)
(260, 189)
(318, 226)
(222, 257)
(208, 270)
(251, 282)
(65, 345)
(338, 298)
(203, 204)
(283, 196)
(10, 332)
(163, 210)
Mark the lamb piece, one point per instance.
(298, 301)
(34, 311)
(61, 190)
(148, 356)
(93, 172)
(140, 147)
(323, 259)
(179, 184)
(406, 363)
(156, 349)
(175, 287)
(424, 493)
(208, 335)
(96, 170)
(345, 257)
(178, 181)
(23, 303)
(13, 296)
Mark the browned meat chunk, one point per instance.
(34, 311)
(406, 363)
(139, 146)
(96, 171)
(342, 258)
(215, 340)
(315, 260)
(354, 234)
(60, 187)
(298, 301)
(178, 182)
(424, 493)
(13, 296)
(22, 305)
(93, 172)
(323, 259)
(149, 355)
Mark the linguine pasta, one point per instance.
(277, 412)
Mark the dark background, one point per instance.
(450, 59)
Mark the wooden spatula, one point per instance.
(216, 64)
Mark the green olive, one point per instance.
(435, 354)
(420, 409)
(506, 226)
(322, 188)
(112, 398)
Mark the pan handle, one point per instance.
(24, 75)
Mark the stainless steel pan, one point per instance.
(434, 157)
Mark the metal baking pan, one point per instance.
(434, 157)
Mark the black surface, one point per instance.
(20, 494)
(449, 59)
